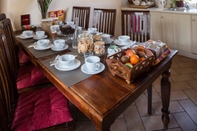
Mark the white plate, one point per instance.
(75, 65)
(117, 42)
(36, 47)
(85, 70)
(36, 38)
(61, 49)
(24, 37)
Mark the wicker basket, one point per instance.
(116, 67)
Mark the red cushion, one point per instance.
(29, 75)
(22, 57)
(40, 109)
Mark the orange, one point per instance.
(134, 59)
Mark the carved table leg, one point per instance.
(165, 95)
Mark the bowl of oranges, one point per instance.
(130, 63)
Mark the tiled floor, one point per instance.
(183, 104)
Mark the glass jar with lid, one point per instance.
(99, 47)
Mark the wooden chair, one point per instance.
(135, 25)
(43, 109)
(2, 16)
(23, 59)
(128, 29)
(83, 13)
(27, 75)
(104, 20)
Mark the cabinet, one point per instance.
(172, 28)
(194, 34)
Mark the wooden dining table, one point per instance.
(101, 97)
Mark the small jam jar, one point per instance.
(99, 47)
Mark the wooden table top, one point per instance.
(103, 97)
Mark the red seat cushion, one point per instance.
(40, 109)
(22, 57)
(29, 75)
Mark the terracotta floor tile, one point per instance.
(184, 77)
(190, 108)
(184, 70)
(193, 83)
(192, 94)
(153, 123)
(119, 125)
(84, 126)
(185, 122)
(142, 103)
(194, 75)
(174, 107)
(188, 64)
(180, 86)
(175, 129)
(133, 120)
(178, 95)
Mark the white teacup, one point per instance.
(59, 44)
(43, 43)
(124, 38)
(106, 38)
(40, 34)
(66, 60)
(27, 33)
(92, 30)
(92, 63)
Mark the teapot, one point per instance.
(136, 2)
(161, 4)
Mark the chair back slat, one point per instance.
(83, 13)
(8, 89)
(11, 47)
(104, 20)
(129, 24)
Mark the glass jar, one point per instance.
(99, 47)
(85, 43)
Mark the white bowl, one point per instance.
(40, 34)
(59, 43)
(28, 33)
(43, 43)
(66, 60)
(124, 38)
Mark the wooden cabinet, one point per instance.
(194, 34)
(175, 29)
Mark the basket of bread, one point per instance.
(130, 63)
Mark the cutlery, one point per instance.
(55, 60)
(33, 45)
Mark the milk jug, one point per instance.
(161, 3)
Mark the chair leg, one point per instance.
(149, 90)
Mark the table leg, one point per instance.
(149, 100)
(165, 95)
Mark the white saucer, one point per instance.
(36, 47)
(85, 70)
(24, 37)
(61, 49)
(75, 65)
(36, 38)
(117, 42)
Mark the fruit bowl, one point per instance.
(118, 68)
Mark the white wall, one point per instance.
(15, 8)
